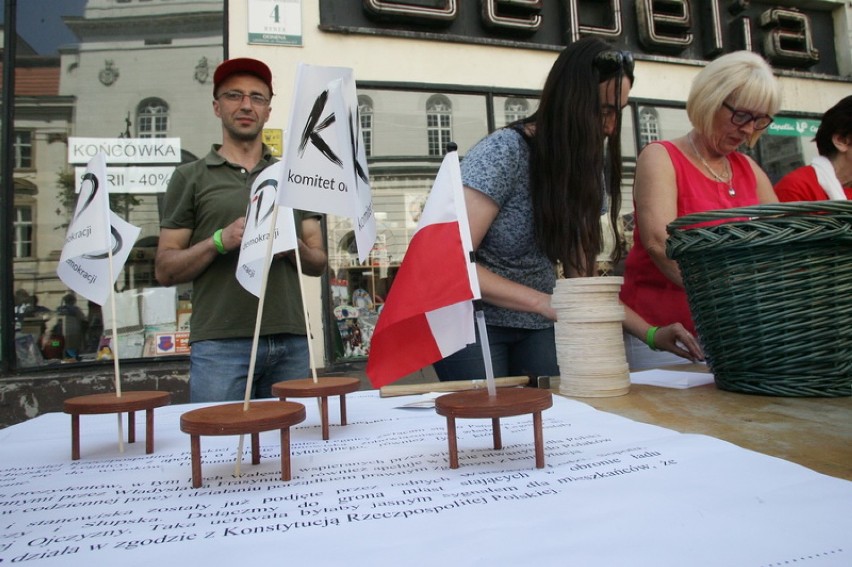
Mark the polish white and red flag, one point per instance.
(428, 313)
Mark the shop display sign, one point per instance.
(274, 139)
(124, 150)
(799, 37)
(796, 127)
(171, 343)
(153, 179)
(139, 164)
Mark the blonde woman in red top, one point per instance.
(731, 103)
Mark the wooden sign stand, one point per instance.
(506, 402)
(129, 402)
(117, 403)
(320, 388)
(236, 419)
(248, 418)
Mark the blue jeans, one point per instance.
(218, 368)
(514, 352)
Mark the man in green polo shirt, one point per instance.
(200, 236)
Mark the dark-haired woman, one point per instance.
(534, 192)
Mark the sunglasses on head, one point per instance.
(609, 63)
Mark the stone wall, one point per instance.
(24, 397)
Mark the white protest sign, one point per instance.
(88, 274)
(94, 234)
(365, 221)
(326, 167)
(253, 249)
(89, 229)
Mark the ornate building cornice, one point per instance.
(174, 25)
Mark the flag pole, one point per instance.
(307, 322)
(114, 342)
(264, 277)
(486, 348)
(305, 313)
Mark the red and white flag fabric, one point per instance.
(428, 314)
(254, 260)
(96, 237)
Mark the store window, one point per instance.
(439, 124)
(152, 117)
(74, 92)
(508, 109)
(23, 149)
(649, 126)
(365, 115)
(514, 109)
(23, 228)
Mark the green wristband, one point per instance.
(217, 240)
(649, 338)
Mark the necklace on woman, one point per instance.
(726, 179)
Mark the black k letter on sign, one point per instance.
(353, 141)
(314, 126)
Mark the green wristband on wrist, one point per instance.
(217, 241)
(649, 338)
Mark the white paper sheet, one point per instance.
(127, 308)
(379, 492)
(671, 378)
(159, 306)
(423, 401)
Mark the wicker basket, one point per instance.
(770, 290)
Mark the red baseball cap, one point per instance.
(242, 65)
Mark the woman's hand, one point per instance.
(544, 307)
(676, 339)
